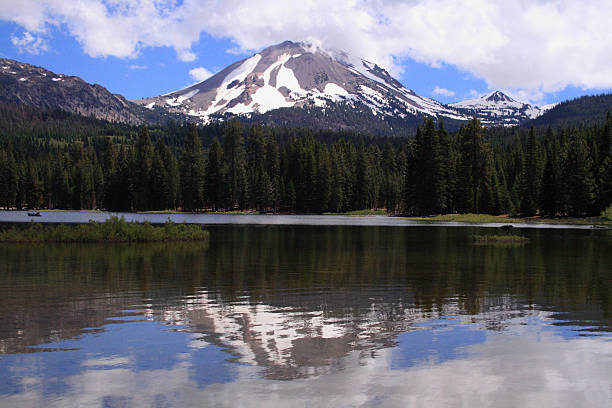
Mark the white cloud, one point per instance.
(443, 91)
(535, 46)
(200, 74)
(29, 43)
(138, 67)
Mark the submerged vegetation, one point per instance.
(500, 239)
(112, 230)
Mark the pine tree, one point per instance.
(431, 178)
(61, 184)
(8, 180)
(579, 183)
(322, 189)
(171, 174)
(109, 166)
(158, 176)
(550, 199)
(143, 158)
(192, 172)
(213, 185)
(233, 154)
(272, 167)
(605, 167)
(530, 176)
(474, 178)
(365, 188)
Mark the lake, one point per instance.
(310, 315)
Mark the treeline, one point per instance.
(553, 173)
(230, 166)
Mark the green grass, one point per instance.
(499, 239)
(112, 230)
(487, 218)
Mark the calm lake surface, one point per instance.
(310, 315)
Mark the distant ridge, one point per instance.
(585, 109)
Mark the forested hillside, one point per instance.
(50, 159)
(586, 109)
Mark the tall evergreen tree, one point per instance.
(213, 185)
(233, 154)
(474, 169)
(192, 172)
(530, 176)
(141, 180)
(579, 183)
(9, 179)
(550, 191)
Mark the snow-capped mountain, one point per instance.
(300, 75)
(324, 89)
(497, 108)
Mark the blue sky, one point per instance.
(538, 51)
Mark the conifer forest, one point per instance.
(55, 160)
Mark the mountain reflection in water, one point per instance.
(317, 316)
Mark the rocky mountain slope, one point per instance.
(34, 86)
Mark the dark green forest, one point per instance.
(52, 159)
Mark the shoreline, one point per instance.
(463, 218)
(346, 219)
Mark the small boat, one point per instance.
(34, 214)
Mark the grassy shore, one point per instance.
(486, 218)
(112, 230)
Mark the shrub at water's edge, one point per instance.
(607, 214)
(112, 230)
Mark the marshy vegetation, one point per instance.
(500, 239)
(113, 229)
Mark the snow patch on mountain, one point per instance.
(333, 90)
(548, 107)
(286, 78)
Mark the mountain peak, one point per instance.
(497, 96)
(305, 75)
(497, 108)
(299, 74)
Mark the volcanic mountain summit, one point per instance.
(299, 75)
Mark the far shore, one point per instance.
(434, 219)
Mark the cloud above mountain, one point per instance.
(534, 46)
